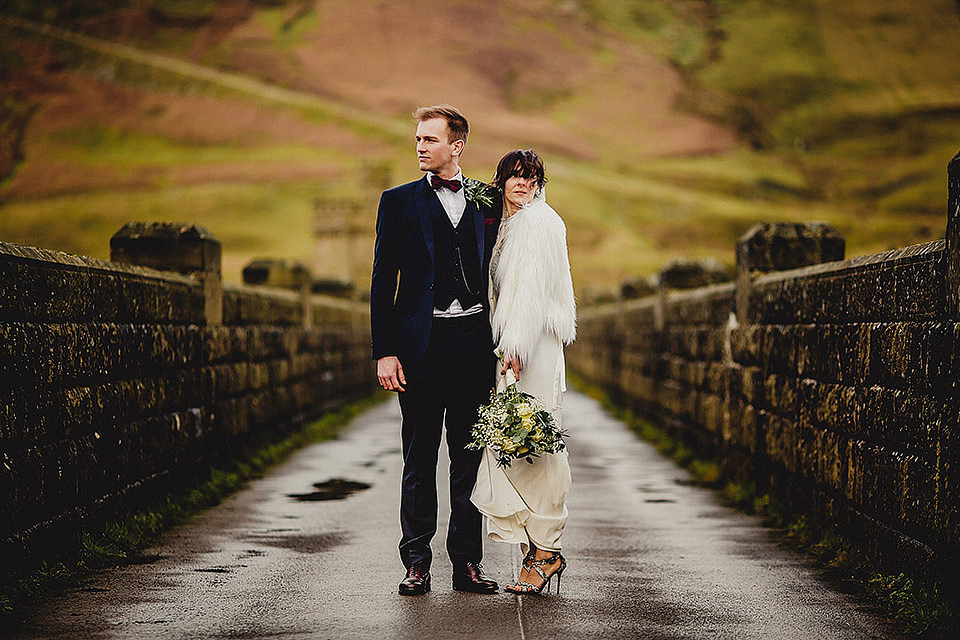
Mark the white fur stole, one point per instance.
(534, 289)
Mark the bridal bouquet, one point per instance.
(516, 425)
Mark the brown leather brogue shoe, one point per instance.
(470, 577)
(416, 583)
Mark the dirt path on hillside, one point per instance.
(232, 81)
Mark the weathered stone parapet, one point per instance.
(691, 274)
(283, 274)
(778, 247)
(244, 305)
(167, 246)
(684, 275)
(953, 237)
(781, 246)
(638, 288)
(897, 285)
(834, 387)
(333, 287)
(706, 305)
(114, 376)
(183, 248)
(38, 285)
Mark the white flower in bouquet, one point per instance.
(516, 425)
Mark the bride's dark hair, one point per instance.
(523, 163)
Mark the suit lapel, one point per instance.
(425, 199)
(473, 210)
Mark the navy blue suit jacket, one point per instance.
(401, 290)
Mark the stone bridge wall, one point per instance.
(832, 385)
(116, 379)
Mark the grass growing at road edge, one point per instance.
(122, 541)
(920, 609)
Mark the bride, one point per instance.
(533, 314)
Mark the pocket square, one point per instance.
(489, 221)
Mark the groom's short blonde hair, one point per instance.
(457, 125)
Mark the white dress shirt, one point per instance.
(454, 203)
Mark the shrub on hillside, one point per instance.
(183, 11)
(15, 113)
(63, 12)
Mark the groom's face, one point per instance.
(435, 151)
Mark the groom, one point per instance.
(432, 342)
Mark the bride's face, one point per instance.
(519, 191)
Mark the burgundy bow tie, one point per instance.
(436, 182)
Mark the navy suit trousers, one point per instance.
(445, 387)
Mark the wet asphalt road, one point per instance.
(649, 557)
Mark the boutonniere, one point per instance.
(478, 192)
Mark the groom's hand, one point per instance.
(390, 374)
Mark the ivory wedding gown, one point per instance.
(533, 315)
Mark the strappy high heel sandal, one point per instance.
(523, 588)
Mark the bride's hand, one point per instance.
(513, 363)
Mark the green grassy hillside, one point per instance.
(668, 127)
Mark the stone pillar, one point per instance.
(660, 308)
(283, 274)
(948, 471)
(744, 281)
(183, 248)
(953, 238)
(634, 288)
(334, 222)
(687, 274)
(781, 246)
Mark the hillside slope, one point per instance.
(668, 127)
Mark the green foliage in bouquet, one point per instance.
(516, 425)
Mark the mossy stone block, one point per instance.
(780, 246)
(167, 246)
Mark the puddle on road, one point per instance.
(660, 501)
(334, 489)
(315, 543)
(220, 569)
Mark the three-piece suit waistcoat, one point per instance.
(456, 262)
